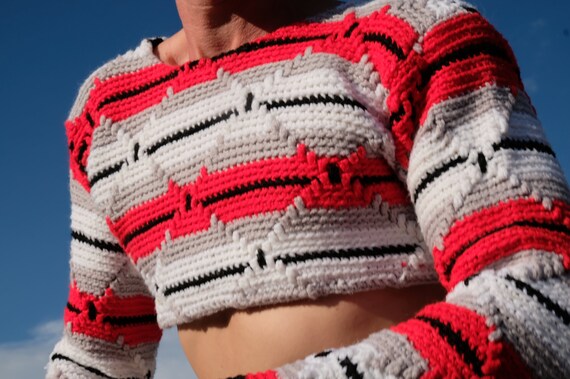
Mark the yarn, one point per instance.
(384, 145)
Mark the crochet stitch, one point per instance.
(388, 144)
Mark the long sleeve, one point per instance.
(110, 319)
(493, 206)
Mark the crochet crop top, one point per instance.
(384, 145)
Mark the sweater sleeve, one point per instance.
(110, 321)
(493, 206)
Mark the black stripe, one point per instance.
(263, 183)
(261, 258)
(431, 176)
(146, 227)
(313, 99)
(461, 54)
(248, 47)
(136, 91)
(71, 308)
(469, 279)
(91, 311)
(509, 143)
(248, 101)
(548, 303)
(188, 205)
(253, 46)
(323, 354)
(533, 224)
(129, 320)
(350, 369)
(136, 152)
(456, 341)
(387, 42)
(108, 171)
(104, 245)
(89, 119)
(203, 279)
(80, 153)
(482, 161)
(362, 252)
(93, 370)
(506, 143)
(469, 9)
(351, 29)
(334, 173)
(190, 130)
(396, 117)
(155, 41)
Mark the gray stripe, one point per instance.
(384, 354)
(464, 189)
(521, 319)
(129, 61)
(362, 8)
(423, 15)
(182, 163)
(226, 245)
(129, 282)
(530, 174)
(454, 112)
(94, 270)
(110, 358)
(325, 135)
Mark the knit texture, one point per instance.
(383, 144)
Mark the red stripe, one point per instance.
(473, 330)
(498, 357)
(113, 306)
(398, 77)
(385, 62)
(512, 365)
(79, 132)
(443, 361)
(205, 70)
(466, 76)
(319, 193)
(451, 81)
(350, 49)
(466, 28)
(269, 374)
(492, 244)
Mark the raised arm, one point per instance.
(493, 205)
(110, 320)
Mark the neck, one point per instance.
(210, 27)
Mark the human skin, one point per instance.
(210, 27)
(236, 342)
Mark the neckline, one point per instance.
(326, 15)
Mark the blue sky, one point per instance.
(50, 47)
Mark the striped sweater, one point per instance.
(381, 144)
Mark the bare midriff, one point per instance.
(242, 341)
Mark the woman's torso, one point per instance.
(219, 238)
(237, 342)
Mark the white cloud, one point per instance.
(26, 359)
